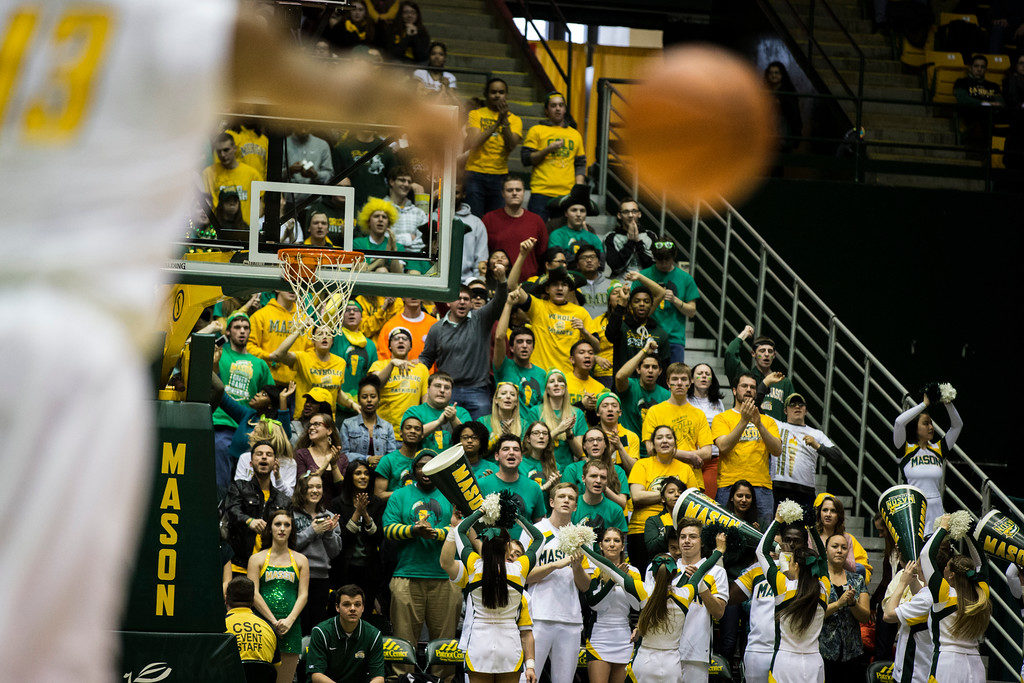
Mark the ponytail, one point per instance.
(655, 612)
(802, 608)
(493, 581)
(973, 607)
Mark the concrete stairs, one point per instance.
(884, 79)
(476, 40)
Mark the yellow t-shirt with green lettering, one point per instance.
(749, 457)
(311, 372)
(217, 178)
(554, 334)
(687, 421)
(490, 157)
(555, 175)
(403, 390)
(576, 388)
(649, 473)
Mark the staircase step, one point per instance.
(460, 5)
(844, 49)
(468, 89)
(513, 78)
(927, 182)
(928, 124)
(904, 135)
(700, 344)
(844, 12)
(479, 47)
(469, 60)
(883, 78)
(829, 33)
(870, 66)
(436, 19)
(450, 30)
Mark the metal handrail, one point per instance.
(744, 280)
(566, 73)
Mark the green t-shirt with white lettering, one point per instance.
(609, 513)
(531, 498)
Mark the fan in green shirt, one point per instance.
(518, 370)
(681, 305)
(243, 374)
(416, 519)
(394, 470)
(772, 385)
(346, 649)
(637, 394)
(509, 455)
(438, 416)
(358, 350)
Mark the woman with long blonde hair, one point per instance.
(961, 609)
(564, 420)
(274, 432)
(505, 417)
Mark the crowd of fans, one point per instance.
(560, 368)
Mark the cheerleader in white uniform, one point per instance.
(801, 598)
(960, 611)
(908, 603)
(494, 651)
(922, 459)
(663, 615)
(611, 595)
(752, 585)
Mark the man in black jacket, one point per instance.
(631, 326)
(248, 504)
(628, 247)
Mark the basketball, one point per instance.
(701, 126)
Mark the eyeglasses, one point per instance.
(317, 424)
(469, 437)
(589, 254)
(631, 212)
(539, 432)
(594, 439)
(664, 245)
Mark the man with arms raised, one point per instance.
(772, 385)
(639, 393)
(519, 369)
(558, 324)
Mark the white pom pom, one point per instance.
(789, 511)
(572, 537)
(947, 394)
(492, 508)
(959, 524)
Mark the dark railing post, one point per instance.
(810, 33)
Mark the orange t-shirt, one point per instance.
(418, 328)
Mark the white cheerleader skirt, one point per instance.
(959, 667)
(494, 648)
(610, 643)
(657, 666)
(933, 510)
(756, 666)
(797, 667)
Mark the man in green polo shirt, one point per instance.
(594, 508)
(508, 452)
(346, 649)
(395, 469)
(438, 415)
(416, 521)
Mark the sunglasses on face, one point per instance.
(664, 245)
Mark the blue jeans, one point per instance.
(676, 353)
(483, 192)
(539, 205)
(224, 464)
(477, 400)
(764, 498)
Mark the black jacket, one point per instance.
(244, 501)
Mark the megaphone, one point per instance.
(999, 536)
(903, 510)
(450, 473)
(693, 503)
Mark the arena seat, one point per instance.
(998, 65)
(1000, 144)
(950, 17)
(944, 68)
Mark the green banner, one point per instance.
(177, 583)
(180, 657)
(903, 513)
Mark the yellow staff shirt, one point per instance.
(217, 178)
(749, 457)
(257, 641)
(554, 334)
(311, 372)
(403, 390)
(555, 175)
(491, 157)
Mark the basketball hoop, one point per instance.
(322, 280)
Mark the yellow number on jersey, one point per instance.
(75, 51)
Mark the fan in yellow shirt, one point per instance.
(745, 438)
(270, 326)
(492, 131)
(252, 148)
(646, 476)
(688, 423)
(557, 324)
(228, 172)
(403, 381)
(318, 368)
(583, 389)
(555, 151)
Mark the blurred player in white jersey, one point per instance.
(104, 110)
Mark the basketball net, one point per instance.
(322, 280)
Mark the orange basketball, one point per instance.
(701, 125)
